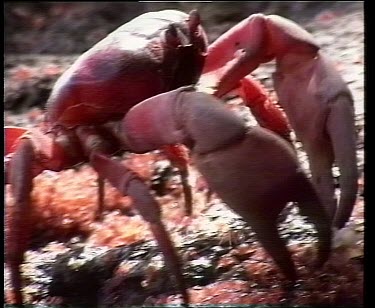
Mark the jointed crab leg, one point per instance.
(99, 212)
(127, 182)
(29, 152)
(17, 221)
(178, 156)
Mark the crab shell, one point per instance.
(154, 53)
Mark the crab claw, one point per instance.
(253, 170)
(255, 40)
(316, 99)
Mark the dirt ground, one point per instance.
(41, 40)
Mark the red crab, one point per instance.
(131, 92)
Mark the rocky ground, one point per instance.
(117, 259)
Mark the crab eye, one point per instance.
(194, 21)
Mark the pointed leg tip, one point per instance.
(185, 298)
(171, 257)
(14, 298)
(187, 190)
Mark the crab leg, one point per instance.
(179, 157)
(127, 182)
(29, 152)
(97, 147)
(17, 221)
(101, 192)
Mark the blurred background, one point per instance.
(73, 27)
(42, 39)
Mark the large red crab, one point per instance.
(126, 93)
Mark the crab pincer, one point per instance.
(316, 100)
(253, 170)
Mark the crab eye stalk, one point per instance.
(197, 35)
(194, 21)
